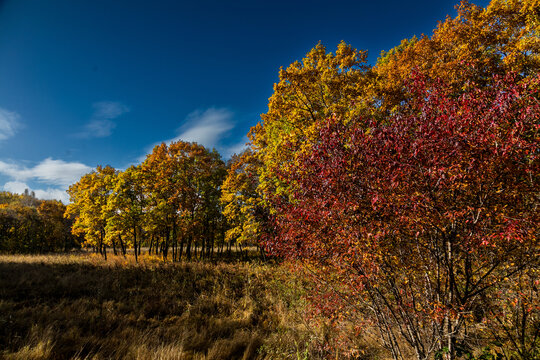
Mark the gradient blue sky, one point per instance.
(86, 83)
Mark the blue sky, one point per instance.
(87, 83)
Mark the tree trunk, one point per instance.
(114, 246)
(135, 243)
(188, 248)
(450, 335)
(181, 248)
(166, 246)
(100, 246)
(263, 254)
(203, 246)
(122, 246)
(174, 242)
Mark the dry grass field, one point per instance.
(79, 306)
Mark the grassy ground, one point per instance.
(81, 306)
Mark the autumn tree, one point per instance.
(465, 50)
(88, 206)
(55, 230)
(242, 205)
(167, 173)
(209, 172)
(184, 182)
(308, 92)
(31, 225)
(417, 219)
(158, 175)
(126, 207)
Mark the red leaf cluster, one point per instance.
(423, 211)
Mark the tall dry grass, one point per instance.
(79, 306)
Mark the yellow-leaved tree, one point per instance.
(464, 51)
(322, 85)
(241, 204)
(88, 206)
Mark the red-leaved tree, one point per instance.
(419, 219)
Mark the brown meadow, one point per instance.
(81, 306)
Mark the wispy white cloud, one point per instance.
(19, 187)
(98, 129)
(9, 123)
(49, 171)
(206, 127)
(56, 174)
(211, 128)
(101, 123)
(109, 109)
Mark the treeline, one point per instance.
(169, 203)
(29, 225)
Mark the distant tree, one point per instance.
(242, 205)
(55, 231)
(30, 225)
(126, 205)
(183, 187)
(88, 206)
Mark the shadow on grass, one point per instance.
(89, 310)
